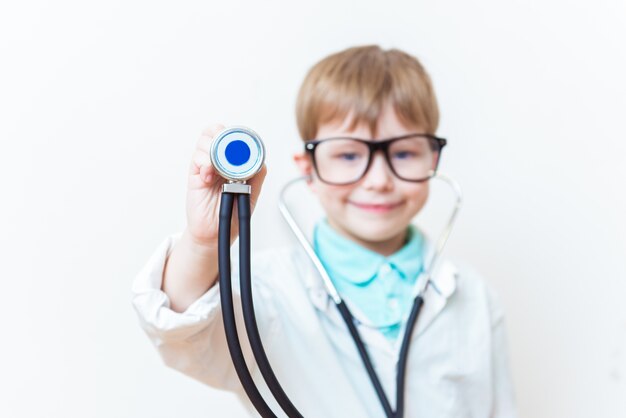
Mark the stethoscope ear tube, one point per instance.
(418, 302)
(367, 362)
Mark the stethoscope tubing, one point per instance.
(365, 358)
(418, 301)
(234, 345)
(228, 314)
(404, 355)
(243, 208)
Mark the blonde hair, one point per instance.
(362, 79)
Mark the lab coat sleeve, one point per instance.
(503, 391)
(193, 342)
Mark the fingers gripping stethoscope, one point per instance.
(237, 153)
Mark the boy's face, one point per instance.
(375, 211)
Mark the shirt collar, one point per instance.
(443, 284)
(344, 259)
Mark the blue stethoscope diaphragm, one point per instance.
(237, 153)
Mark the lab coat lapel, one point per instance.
(323, 350)
(442, 286)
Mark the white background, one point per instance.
(101, 104)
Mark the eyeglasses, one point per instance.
(343, 160)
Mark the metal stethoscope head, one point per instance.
(237, 154)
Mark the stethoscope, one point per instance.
(237, 153)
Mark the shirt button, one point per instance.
(385, 269)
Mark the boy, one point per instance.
(458, 362)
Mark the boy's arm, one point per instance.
(192, 341)
(190, 270)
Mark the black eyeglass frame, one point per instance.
(373, 146)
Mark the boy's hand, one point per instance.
(204, 190)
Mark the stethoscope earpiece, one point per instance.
(237, 153)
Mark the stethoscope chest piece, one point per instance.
(237, 153)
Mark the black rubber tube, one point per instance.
(228, 312)
(404, 355)
(245, 276)
(367, 362)
(232, 338)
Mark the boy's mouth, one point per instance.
(377, 208)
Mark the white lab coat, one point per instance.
(457, 366)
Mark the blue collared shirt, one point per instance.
(378, 287)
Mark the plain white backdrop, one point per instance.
(101, 104)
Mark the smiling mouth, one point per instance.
(376, 207)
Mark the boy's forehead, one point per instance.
(388, 124)
(344, 126)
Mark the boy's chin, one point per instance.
(376, 232)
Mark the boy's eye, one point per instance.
(348, 156)
(404, 154)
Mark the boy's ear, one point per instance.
(305, 166)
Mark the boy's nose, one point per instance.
(379, 175)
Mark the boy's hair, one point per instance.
(362, 79)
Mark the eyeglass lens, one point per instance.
(345, 160)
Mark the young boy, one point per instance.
(457, 365)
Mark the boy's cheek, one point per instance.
(419, 190)
(312, 183)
